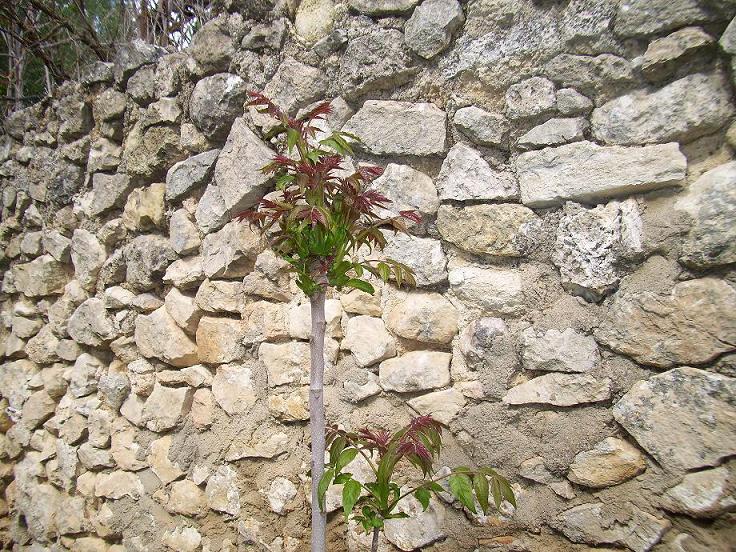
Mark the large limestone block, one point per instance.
(610, 462)
(559, 351)
(423, 317)
(560, 390)
(646, 17)
(147, 258)
(215, 103)
(90, 324)
(399, 128)
(482, 127)
(108, 191)
(88, 256)
(430, 28)
(233, 388)
(220, 340)
(491, 290)
(44, 275)
(369, 341)
(415, 371)
(703, 494)
(584, 171)
(286, 362)
(711, 202)
(420, 528)
(230, 252)
(501, 230)
(157, 335)
(145, 207)
(117, 484)
(530, 97)
(189, 174)
(443, 406)
(465, 175)
(222, 491)
(424, 256)
(692, 325)
(166, 407)
(665, 414)
(688, 108)
(296, 85)
(408, 189)
(238, 173)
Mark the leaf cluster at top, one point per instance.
(318, 221)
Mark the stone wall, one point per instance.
(574, 323)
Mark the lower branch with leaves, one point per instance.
(374, 502)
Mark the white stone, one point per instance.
(157, 335)
(369, 341)
(560, 390)
(233, 388)
(280, 494)
(423, 317)
(559, 351)
(443, 406)
(491, 290)
(465, 175)
(415, 371)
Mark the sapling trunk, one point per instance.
(374, 544)
(317, 416)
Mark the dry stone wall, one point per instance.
(574, 324)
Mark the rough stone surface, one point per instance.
(408, 189)
(296, 85)
(399, 128)
(703, 494)
(424, 256)
(166, 407)
(584, 171)
(560, 390)
(665, 55)
(420, 529)
(189, 174)
(415, 371)
(215, 103)
(610, 462)
(554, 132)
(644, 17)
(682, 111)
(559, 351)
(465, 175)
(423, 317)
(430, 28)
(443, 406)
(691, 325)
(233, 388)
(220, 340)
(369, 341)
(482, 127)
(711, 202)
(44, 275)
(491, 290)
(157, 335)
(529, 98)
(660, 414)
(504, 230)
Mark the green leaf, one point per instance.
(480, 486)
(336, 448)
(384, 271)
(346, 456)
(350, 495)
(423, 495)
(362, 285)
(324, 484)
(292, 136)
(462, 488)
(508, 492)
(496, 492)
(342, 478)
(436, 487)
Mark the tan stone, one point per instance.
(166, 407)
(158, 458)
(157, 335)
(443, 406)
(187, 499)
(290, 407)
(610, 462)
(360, 302)
(220, 340)
(369, 341)
(203, 407)
(415, 371)
(233, 388)
(424, 317)
(145, 207)
(183, 310)
(118, 484)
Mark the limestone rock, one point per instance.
(220, 340)
(131, 56)
(295, 85)
(556, 351)
(418, 530)
(682, 111)
(491, 290)
(220, 296)
(108, 192)
(279, 495)
(286, 362)
(373, 62)
(193, 376)
(259, 446)
(144, 209)
(212, 47)
(703, 494)
(183, 310)
(187, 499)
(360, 302)
(360, 385)
(369, 341)
(382, 7)
(560, 390)
(408, 189)
(233, 388)
(554, 132)
(597, 523)
(185, 273)
(148, 152)
(264, 321)
(443, 406)
(95, 459)
(314, 20)
(647, 17)
(37, 409)
(423, 317)
(166, 407)
(584, 171)
(424, 256)
(430, 28)
(502, 230)
(711, 202)
(465, 175)
(183, 233)
(290, 407)
(88, 256)
(157, 335)
(570, 102)
(529, 98)
(592, 243)
(601, 77)
(415, 371)
(222, 491)
(85, 375)
(42, 276)
(665, 55)
(147, 258)
(189, 174)
(215, 103)
(610, 462)
(238, 173)
(117, 484)
(91, 324)
(481, 126)
(728, 39)
(109, 105)
(690, 325)
(203, 409)
(662, 414)
(158, 458)
(399, 128)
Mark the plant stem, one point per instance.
(374, 544)
(317, 416)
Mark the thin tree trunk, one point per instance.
(374, 544)
(317, 416)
